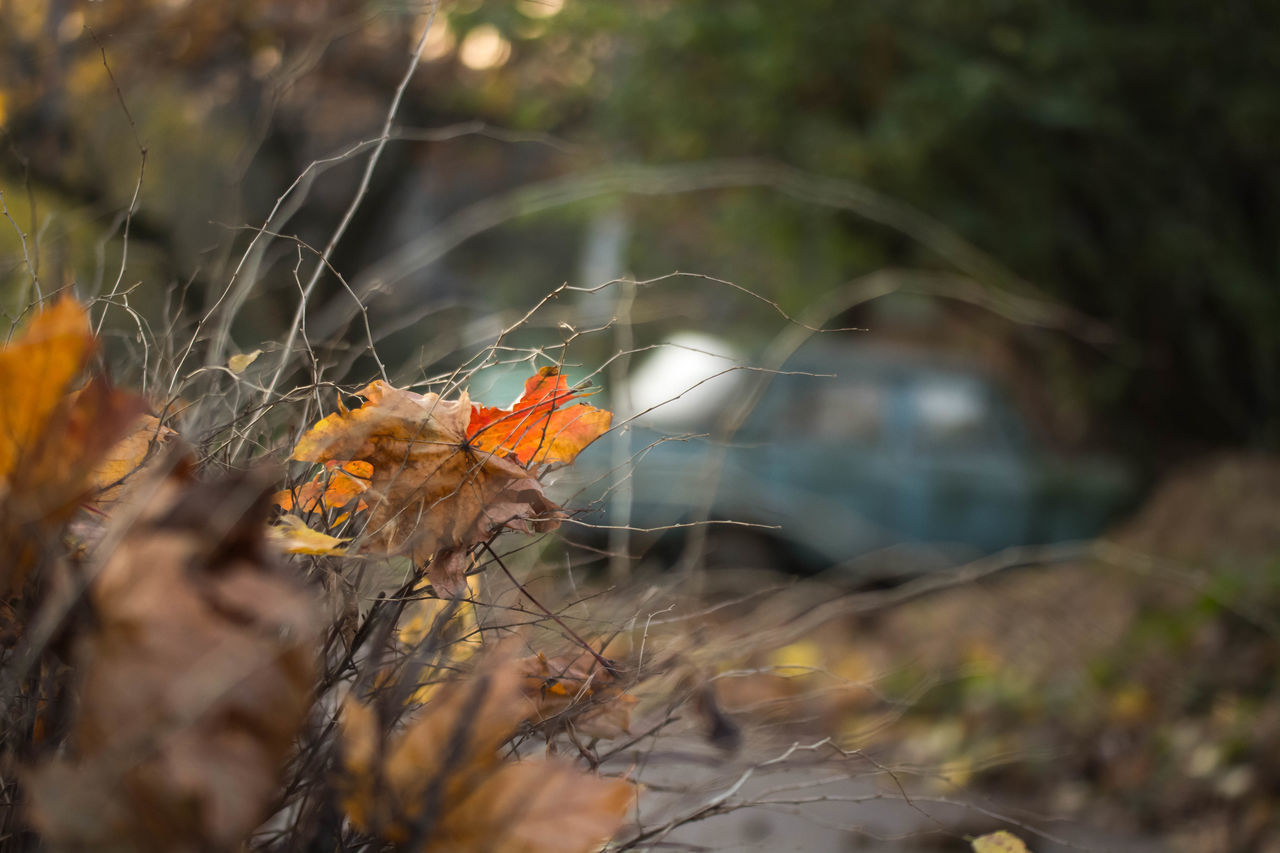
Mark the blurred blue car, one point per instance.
(879, 461)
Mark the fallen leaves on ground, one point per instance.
(441, 784)
(198, 672)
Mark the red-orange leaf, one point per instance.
(535, 429)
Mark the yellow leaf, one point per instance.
(999, 842)
(798, 658)
(292, 534)
(239, 363)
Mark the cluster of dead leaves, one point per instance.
(195, 662)
(440, 476)
(197, 665)
(440, 784)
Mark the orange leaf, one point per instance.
(332, 488)
(36, 370)
(50, 436)
(127, 456)
(535, 429)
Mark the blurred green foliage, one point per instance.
(1119, 156)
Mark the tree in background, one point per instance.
(1118, 159)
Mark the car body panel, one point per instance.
(852, 449)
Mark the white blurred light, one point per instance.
(685, 381)
(483, 48)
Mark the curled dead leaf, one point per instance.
(198, 672)
(430, 490)
(441, 785)
(239, 363)
(293, 536)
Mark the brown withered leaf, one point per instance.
(441, 784)
(575, 690)
(537, 807)
(198, 672)
(430, 490)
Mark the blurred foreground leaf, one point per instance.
(440, 784)
(198, 671)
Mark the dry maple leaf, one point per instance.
(535, 430)
(440, 784)
(199, 668)
(430, 492)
